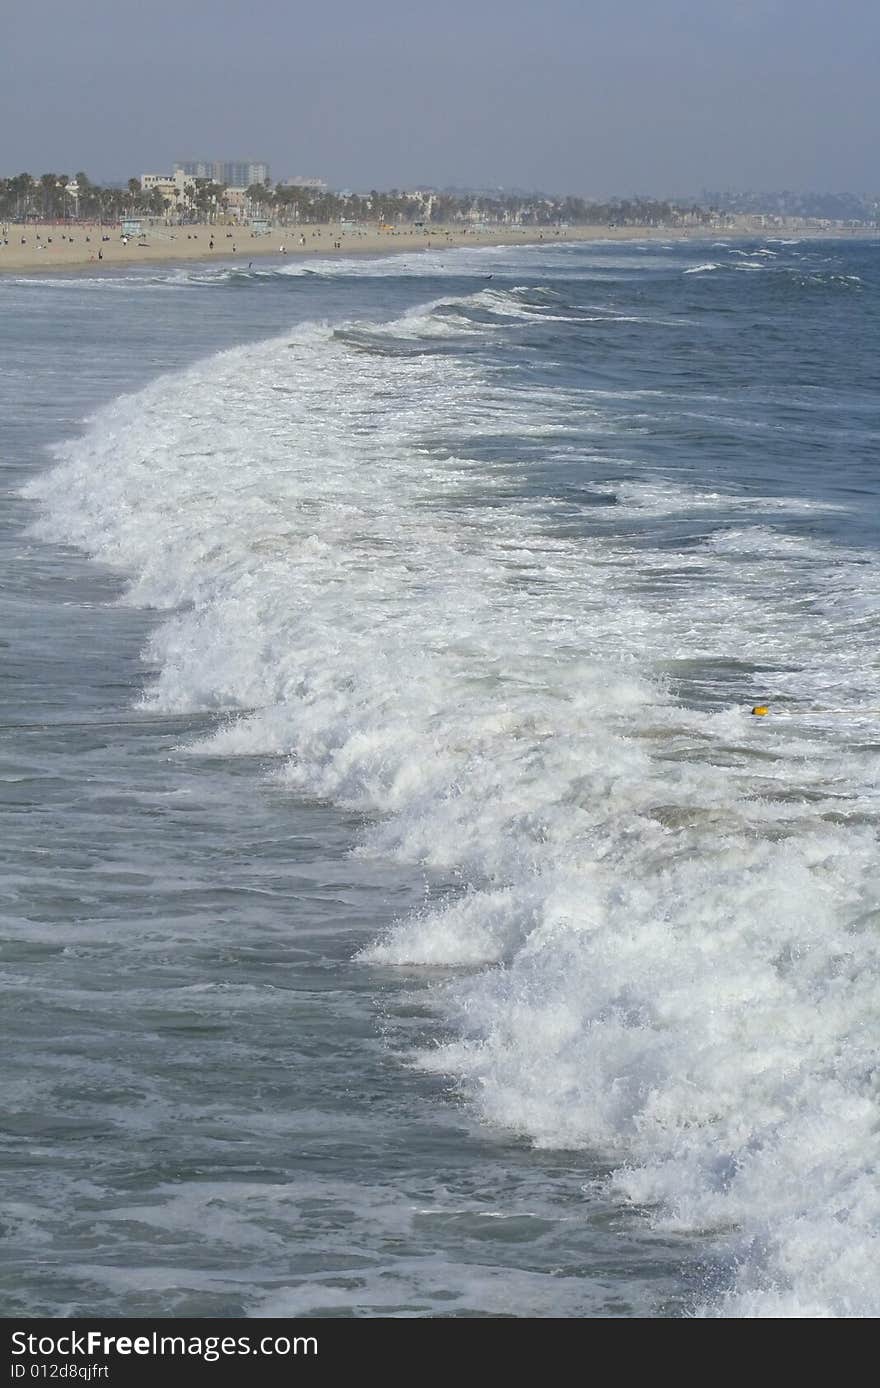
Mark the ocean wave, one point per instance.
(664, 932)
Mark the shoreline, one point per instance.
(45, 249)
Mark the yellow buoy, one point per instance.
(761, 710)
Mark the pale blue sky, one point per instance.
(587, 96)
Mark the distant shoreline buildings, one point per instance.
(319, 184)
(233, 173)
(238, 188)
(197, 191)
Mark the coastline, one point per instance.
(51, 248)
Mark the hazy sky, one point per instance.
(587, 96)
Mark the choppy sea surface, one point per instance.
(402, 912)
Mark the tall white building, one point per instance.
(235, 173)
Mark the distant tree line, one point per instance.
(288, 204)
(49, 197)
(54, 197)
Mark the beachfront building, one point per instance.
(233, 173)
(176, 188)
(300, 181)
(238, 205)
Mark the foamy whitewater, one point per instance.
(473, 565)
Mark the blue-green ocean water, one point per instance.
(402, 913)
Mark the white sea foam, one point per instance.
(667, 926)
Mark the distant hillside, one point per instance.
(835, 207)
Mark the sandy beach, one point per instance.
(47, 247)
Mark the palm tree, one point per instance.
(22, 189)
(63, 206)
(48, 182)
(87, 196)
